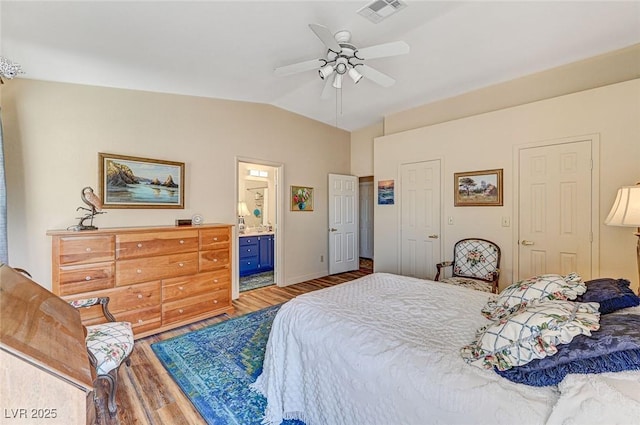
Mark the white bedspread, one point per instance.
(384, 349)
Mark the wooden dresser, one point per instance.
(44, 366)
(157, 278)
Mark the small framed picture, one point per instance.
(301, 198)
(478, 188)
(131, 182)
(386, 195)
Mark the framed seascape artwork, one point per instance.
(301, 198)
(478, 188)
(385, 192)
(131, 182)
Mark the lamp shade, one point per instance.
(242, 209)
(626, 208)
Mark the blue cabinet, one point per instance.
(256, 254)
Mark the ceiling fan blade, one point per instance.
(376, 76)
(326, 37)
(328, 85)
(299, 67)
(394, 48)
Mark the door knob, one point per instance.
(526, 242)
(433, 236)
(333, 230)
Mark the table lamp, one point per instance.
(626, 212)
(242, 212)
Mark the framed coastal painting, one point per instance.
(386, 194)
(478, 188)
(301, 198)
(132, 182)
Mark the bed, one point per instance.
(385, 349)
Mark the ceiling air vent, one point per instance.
(378, 10)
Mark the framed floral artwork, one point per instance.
(478, 188)
(132, 182)
(301, 198)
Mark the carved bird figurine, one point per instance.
(91, 199)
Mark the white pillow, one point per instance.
(537, 288)
(532, 333)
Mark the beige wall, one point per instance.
(53, 133)
(362, 149)
(488, 140)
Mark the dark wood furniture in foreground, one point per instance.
(44, 367)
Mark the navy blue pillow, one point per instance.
(613, 348)
(612, 294)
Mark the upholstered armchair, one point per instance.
(476, 265)
(109, 345)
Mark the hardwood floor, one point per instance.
(146, 393)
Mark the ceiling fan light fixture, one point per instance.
(325, 71)
(341, 66)
(337, 82)
(355, 75)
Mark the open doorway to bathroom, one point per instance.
(258, 212)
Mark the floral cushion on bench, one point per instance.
(110, 343)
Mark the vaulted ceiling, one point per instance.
(229, 49)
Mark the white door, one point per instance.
(420, 218)
(555, 210)
(343, 223)
(366, 220)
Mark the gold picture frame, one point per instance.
(478, 188)
(133, 182)
(301, 198)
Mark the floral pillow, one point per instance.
(531, 333)
(613, 348)
(611, 294)
(534, 289)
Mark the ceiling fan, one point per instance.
(345, 58)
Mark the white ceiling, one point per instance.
(229, 49)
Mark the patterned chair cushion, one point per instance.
(478, 285)
(476, 259)
(110, 343)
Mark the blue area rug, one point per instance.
(214, 367)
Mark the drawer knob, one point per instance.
(88, 249)
(215, 260)
(181, 264)
(181, 311)
(215, 239)
(248, 249)
(181, 288)
(215, 301)
(215, 280)
(181, 241)
(139, 296)
(87, 278)
(140, 321)
(138, 271)
(249, 262)
(139, 245)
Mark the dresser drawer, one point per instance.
(214, 259)
(202, 284)
(215, 238)
(153, 268)
(136, 245)
(86, 277)
(187, 308)
(133, 297)
(142, 320)
(86, 249)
